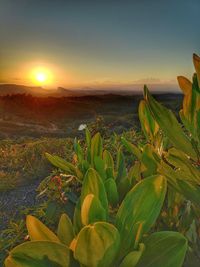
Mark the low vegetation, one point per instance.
(121, 201)
(95, 241)
(23, 162)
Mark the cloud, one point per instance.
(148, 80)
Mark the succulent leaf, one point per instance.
(166, 249)
(97, 245)
(141, 205)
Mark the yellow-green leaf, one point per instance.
(96, 147)
(97, 245)
(170, 126)
(148, 123)
(166, 249)
(93, 184)
(65, 230)
(38, 231)
(133, 257)
(196, 61)
(92, 210)
(141, 206)
(40, 254)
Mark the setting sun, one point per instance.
(41, 77)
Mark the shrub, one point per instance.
(173, 150)
(94, 239)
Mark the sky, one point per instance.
(98, 43)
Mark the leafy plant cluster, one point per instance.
(173, 150)
(117, 205)
(97, 238)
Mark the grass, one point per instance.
(23, 161)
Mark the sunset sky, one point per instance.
(90, 43)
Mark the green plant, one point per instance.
(117, 180)
(173, 150)
(97, 238)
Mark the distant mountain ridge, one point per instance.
(12, 89)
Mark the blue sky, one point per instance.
(99, 42)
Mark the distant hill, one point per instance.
(13, 89)
(27, 115)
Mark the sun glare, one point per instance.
(41, 77)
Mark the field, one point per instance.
(26, 134)
(31, 126)
(28, 116)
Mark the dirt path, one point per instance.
(12, 201)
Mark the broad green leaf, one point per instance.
(85, 166)
(109, 164)
(97, 245)
(52, 210)
(100, 167)
(185, 85)
(88, 137)
(148, 123)
(58, 162)
(150, 160)
(121, 166)
(141, 205)
(133, 149)
(65, 230)
(40, 254)
(92, 210)
(196, 100)
(184, 167)
(88, 143)
(110, 173)
(38, 231)
(133, 257)
(112, 193)
(166, 249)
(170, 126)
(171, 175)
(196, 61)
(135, 173)
(93, 184)
(96, 147)
(122, 180)
(198, 127)
(191, 104)
(190, 191)
(123, 186)
(77, 223)
(63, 165)
(78, 150)
(108, 159)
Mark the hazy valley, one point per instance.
(25, 114)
